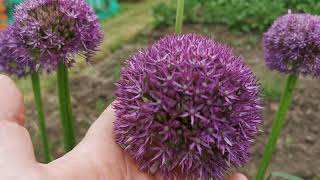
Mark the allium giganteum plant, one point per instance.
(187, 106)
(291, 46)
(54, 31)
(46, 36)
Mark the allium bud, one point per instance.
(56, 30)
(291, 45)
(187, 106)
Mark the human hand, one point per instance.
(96, 157)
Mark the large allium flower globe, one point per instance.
(56, 30)
(14, 59)
(292, 45)
(187, 106)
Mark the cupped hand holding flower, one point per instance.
(97, 157)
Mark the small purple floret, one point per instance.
(187, 106)
(56, 30)
(292, 46)
(14, 59)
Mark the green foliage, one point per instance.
(244, 15)
(310, 6)
(272, 87)
(165, 12)
(164, 15)
(284, 176)
(116, 73)
(130, 1)
(100, 105)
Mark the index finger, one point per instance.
(11, 102)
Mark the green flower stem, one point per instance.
(179, 17)
(41, 118)
(277, 125)
(65, 107)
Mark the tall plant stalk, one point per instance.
(277, 125)
(65, 107)
(179, 17)
(41, 118)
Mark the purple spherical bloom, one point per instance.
(187, 106)
(57, 30)
(291, 45)
(14, 59)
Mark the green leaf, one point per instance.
(283, 175)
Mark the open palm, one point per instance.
(96, 157)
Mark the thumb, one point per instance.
(15, 144)
(237, 176)
(98, 156)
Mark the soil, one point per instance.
(92, 89)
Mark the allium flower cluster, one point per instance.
(14, 59)
(292, 45)
(56, 30)
(187, 106)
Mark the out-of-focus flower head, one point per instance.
(56, 30)
(292, 46)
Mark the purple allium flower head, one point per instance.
(14, 59)
(57, 30)
(187, 106)
(291, 45)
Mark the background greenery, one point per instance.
(244, 15)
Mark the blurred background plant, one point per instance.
(3, 15)
(283, 176)
(249, 15)
(10, 5)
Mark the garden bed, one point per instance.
(93, 88)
